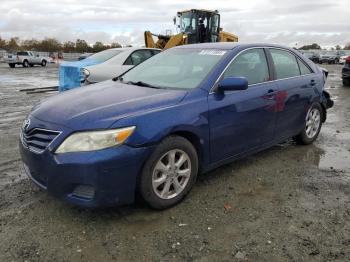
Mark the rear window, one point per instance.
(304, 70)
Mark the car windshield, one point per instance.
(104, 55)
(175, 68)
(345, 53)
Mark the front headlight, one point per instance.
(94, 140)
(86, 73)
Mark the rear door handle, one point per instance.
(312, 82)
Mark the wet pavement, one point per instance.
(288, 203)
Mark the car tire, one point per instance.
(346, 82)
(25, 63)
(169, 173)
(12, 65)
(312, 125)
(43, 63)
(336, 61)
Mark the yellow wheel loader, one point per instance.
(195, 26)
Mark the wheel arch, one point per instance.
(193, 139)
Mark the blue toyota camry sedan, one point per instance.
(185, 111)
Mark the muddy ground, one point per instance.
(288, 203)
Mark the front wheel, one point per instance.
(43, 63)
(12, 65)
(312, 127)
(169, 173)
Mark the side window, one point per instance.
(138, 57)
(154, 52)
(304, 70)
(285, 63)
(251, 64)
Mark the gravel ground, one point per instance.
(288, 203)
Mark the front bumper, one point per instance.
(109, 175)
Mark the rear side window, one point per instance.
(286, 64)
(22, 53)
(138, 57)
(304, 70)
(251, 64)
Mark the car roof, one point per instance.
(230, 45)
(131, 48)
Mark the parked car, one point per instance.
(26, 59)
(117, 65)
(186, 110)
(346, 72)
(313, 56)
(101, 66)
(330, 57)
(343, 55)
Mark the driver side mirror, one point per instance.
(233, 84)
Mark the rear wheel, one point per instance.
(346, 82)
(25, 63)
(169, 173)
(12, 65)
(43, 63)
(312, 127)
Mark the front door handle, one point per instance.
(270, 94)
(312, 82)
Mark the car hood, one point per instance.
(102, 104)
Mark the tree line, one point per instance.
(316, 46)
(53, 45)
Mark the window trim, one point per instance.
(307, 66)
(270, 64)
(267, 64)
(273, 63)
(215, 85)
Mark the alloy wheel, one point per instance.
(171, 174)
(313, 122)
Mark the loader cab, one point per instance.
(200, 26)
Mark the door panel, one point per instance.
(295, 93)
(242, 120)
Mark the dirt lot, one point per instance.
(289, 203)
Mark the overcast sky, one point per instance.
(280, 21)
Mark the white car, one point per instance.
(116, 65)
(344, 55)
(26, 59)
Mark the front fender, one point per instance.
(190, 116)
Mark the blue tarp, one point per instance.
(70, 75)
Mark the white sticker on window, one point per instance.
(212, 52)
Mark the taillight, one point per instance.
(347, 60)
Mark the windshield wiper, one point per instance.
(120, 78)
(141, 83)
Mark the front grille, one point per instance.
(37, 140)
